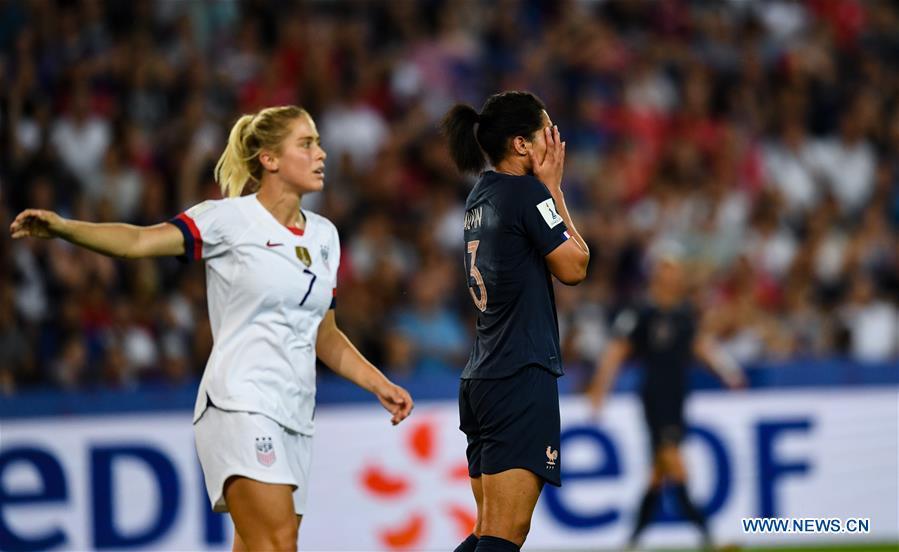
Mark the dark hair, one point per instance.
(503, 117)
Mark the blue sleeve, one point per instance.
(193, 244)
(538, 216)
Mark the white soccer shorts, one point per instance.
(251, 445)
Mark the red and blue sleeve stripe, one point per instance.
(333, 299)
(193, 243)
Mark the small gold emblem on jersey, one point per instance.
(303, 256)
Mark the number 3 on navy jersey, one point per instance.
(480, 303)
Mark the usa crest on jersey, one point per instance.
(325, 253)
(265, 451)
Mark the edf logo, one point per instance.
(53, 488)
(49, 485)
(772, 469)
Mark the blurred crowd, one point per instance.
(761, 139)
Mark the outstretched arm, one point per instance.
(606, 371)
(334, 349)
(718, 361)
(113, 239)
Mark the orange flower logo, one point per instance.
(421, 444)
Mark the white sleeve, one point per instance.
(207, 228)
(335, 264)
(625, 323)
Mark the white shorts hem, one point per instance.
(220, 506)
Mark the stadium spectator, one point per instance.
(81, 138)
(435, 332)
(872, 323)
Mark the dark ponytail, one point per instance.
(458, 127)
(503, 117)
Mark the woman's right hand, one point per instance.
(396, 400)
(36, 223)
(549, 169)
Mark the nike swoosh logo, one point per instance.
(270, 244)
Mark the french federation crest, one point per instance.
(552, 456)
(303, 256)
(265, 451)
(662, 333)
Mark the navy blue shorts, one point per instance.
(512, 422)
(664, 415)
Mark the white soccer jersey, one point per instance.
(268, 287)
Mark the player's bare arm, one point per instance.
(113, 239)
(336, 351)
(568, 262)
(718, 361)
(606, 370)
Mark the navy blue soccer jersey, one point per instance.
(511, 224)
(662, 342)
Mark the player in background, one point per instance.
(271, 276)
(662, 334)
(518, 233)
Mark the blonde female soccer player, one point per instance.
(271, 275)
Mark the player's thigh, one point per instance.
(239, 545)
(509, 498)
(510, 491)
(670, 462)
(657, 475)
(469, 425)
(477, 489)
(263, 513)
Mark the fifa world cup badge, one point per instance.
(303, 256)
(265, 451)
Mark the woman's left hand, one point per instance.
(396, 400)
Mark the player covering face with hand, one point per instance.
(518, 234)
(271, 277)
